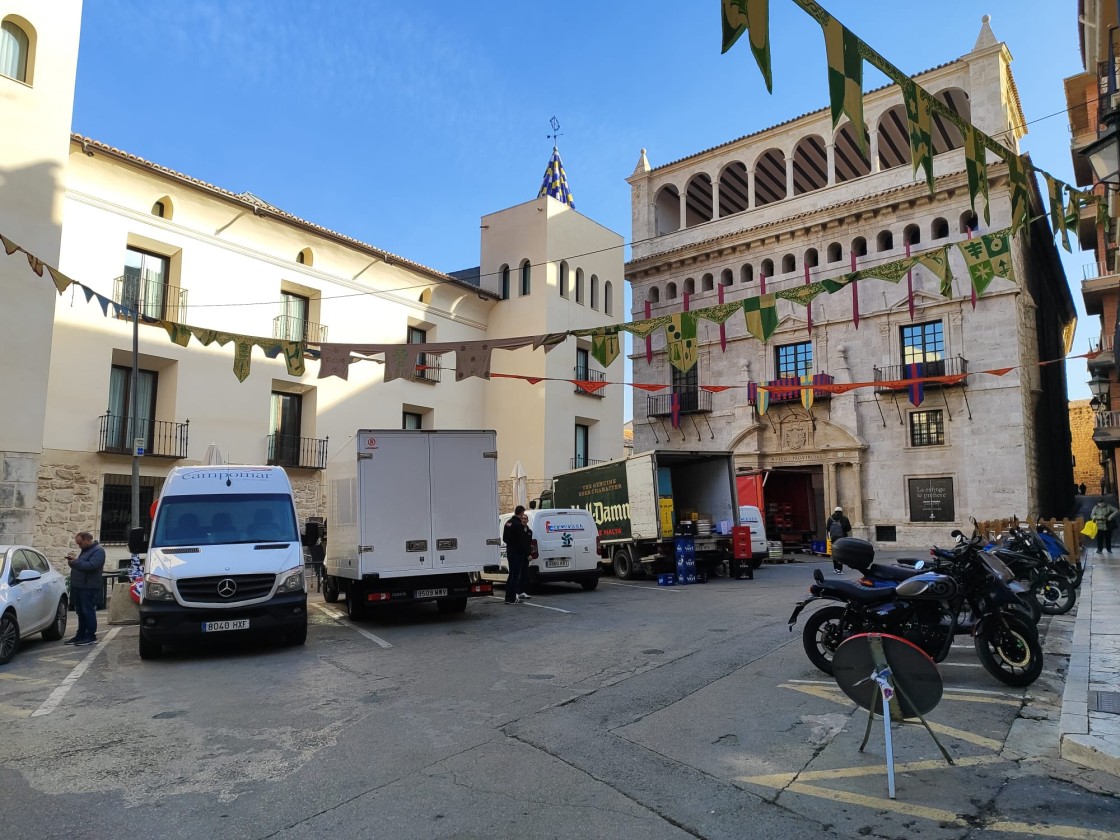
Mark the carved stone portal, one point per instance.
(796, 437)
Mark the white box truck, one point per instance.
(639, 502)
(411, 518)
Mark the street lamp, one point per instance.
(1099, 386)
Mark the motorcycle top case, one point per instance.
(855, 553)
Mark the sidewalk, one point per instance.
(1088, 736)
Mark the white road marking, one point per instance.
(339, 618)
(672, 589)
(51, 703)
(543, 607)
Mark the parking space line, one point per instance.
(672, 589)
(339, 618)
(545, 607)
(1071, 831)
(51, 703)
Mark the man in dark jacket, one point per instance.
(519, 543)
(838, 527)
(85, 580)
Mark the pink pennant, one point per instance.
(809, 305)
(909, 287)
(649, 340)
(855, 294)
(722, 329)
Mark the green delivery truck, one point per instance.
(640, 501)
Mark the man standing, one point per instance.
(1104, 515)
(85, 580)
(518, 539)
(838, 527)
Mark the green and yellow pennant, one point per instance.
(937, 263)
(918, 127)
(761, 314)
(803, 295)
(987, 257)
(752, 16)
(976, 166)
(604, 345)
(845, 77)
(680, 336)
(1020, 192)
(1056, 191)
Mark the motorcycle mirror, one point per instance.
(956, 534)
(818, 575)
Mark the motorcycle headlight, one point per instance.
(158, 588)
(291, 580)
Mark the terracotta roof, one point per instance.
(262, 207)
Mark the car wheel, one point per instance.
(452, 605)
(149, 648)
(624, 565)
(58, 627)
(355, 609)
(295, 638)
(9, 637)
(590, 583)
(330, 589)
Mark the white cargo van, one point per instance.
(224, 559)
(751, 516)
(565, 547)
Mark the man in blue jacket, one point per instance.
(85, 580)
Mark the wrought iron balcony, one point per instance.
(579, 461)
(788, 388)
(585, 374)
(891, 378)
(293, 451)
(154, 298)
(162, 438)
(1106, 355)
(291, 328)
(428, 367)
(689, 402)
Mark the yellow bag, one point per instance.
(1090, 529)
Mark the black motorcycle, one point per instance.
(1027, 557)
(968, 593)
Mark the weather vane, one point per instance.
(555, 123)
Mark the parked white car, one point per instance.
(32, 599)
(565, 548)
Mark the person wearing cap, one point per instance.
(838, 526)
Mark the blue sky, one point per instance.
(402, 123)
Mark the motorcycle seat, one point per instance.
(865, 595)
(896, 573)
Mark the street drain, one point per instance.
(1105, 701)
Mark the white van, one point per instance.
(751, 516)
(224, 557)
(565, 547)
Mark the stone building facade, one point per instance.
(797, 202)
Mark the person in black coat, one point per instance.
(85, 580)
(838, 527)
(519, 545)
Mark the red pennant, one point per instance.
(675, 411)
(999, 371)
(972, 285)
(646, 387)
(715, 389)
(587, 385)
(909, 287)
(809, 305)
(855, 295)
(649, 340)
(722, 328)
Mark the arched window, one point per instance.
(894, 138)
(884, 241)
(426, 297)
(912, 235)
(767, 268)
(698, 201)
(769, 177)
(163, 208)
(969, 222)
(608, 301)
(726, 277)
(305, 257)
(504, 290)
(849, 159)
(563, 279)
(667, 210)
(733, 189)
(707, 284)
(946, 135)
(579, 286)
(595, 291)
(810, 165)
(526, 277)
(939, 229)
(15, 50)
(671, 291)
(690, 284)
(654, 295)
(835, 252)
(859, 246)
(812, 258)
(789, 263)
(746, 273)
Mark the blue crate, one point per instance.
(667, 579)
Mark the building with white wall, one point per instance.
(797, 201)
(201, 255)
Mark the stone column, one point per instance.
(715, 199)
(830, 162)
(874, 151)
(750, 189)
(684, 208)
(857, 502)
(831, 499)
(789, 177)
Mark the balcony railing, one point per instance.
(690, 402)
(579, 461)
(162, 438)
(292, 451)
(941, 367)
(291, 328)
(780, 394)
(1103, 344)
(428, 367)
(154, 298)
(588, 375)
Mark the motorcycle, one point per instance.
(928, 609)
(1030, 562)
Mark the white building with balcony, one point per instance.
(194, 253)
(797, 202)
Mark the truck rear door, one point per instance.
(395, 507)
(464, 490)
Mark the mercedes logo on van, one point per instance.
(226, 587)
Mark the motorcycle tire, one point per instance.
(1073, 572)
(822, 634)
(1009, 651)
(1055, 594)
(1033, 608)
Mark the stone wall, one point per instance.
(67, 502)
(17, 496)
(1086, 455)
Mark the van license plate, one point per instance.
(218, 626)
(430, 593)
(561, 563)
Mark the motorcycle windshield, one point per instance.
(997, 567)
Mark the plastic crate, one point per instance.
(667, 579)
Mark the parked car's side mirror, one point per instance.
(312, 533)
(27, 575)
(137, 541)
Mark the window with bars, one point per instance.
(116, 505)
(927, 428)
(794, 360)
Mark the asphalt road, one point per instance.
(631, 711)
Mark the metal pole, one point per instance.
(134, 519)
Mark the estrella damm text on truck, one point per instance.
(603, 492)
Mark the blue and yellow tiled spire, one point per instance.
(555, 182)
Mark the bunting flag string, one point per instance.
(1055, 190)
(976, 167)
(753, 17)
(988, 257)
(845, 77)
(918, 127)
